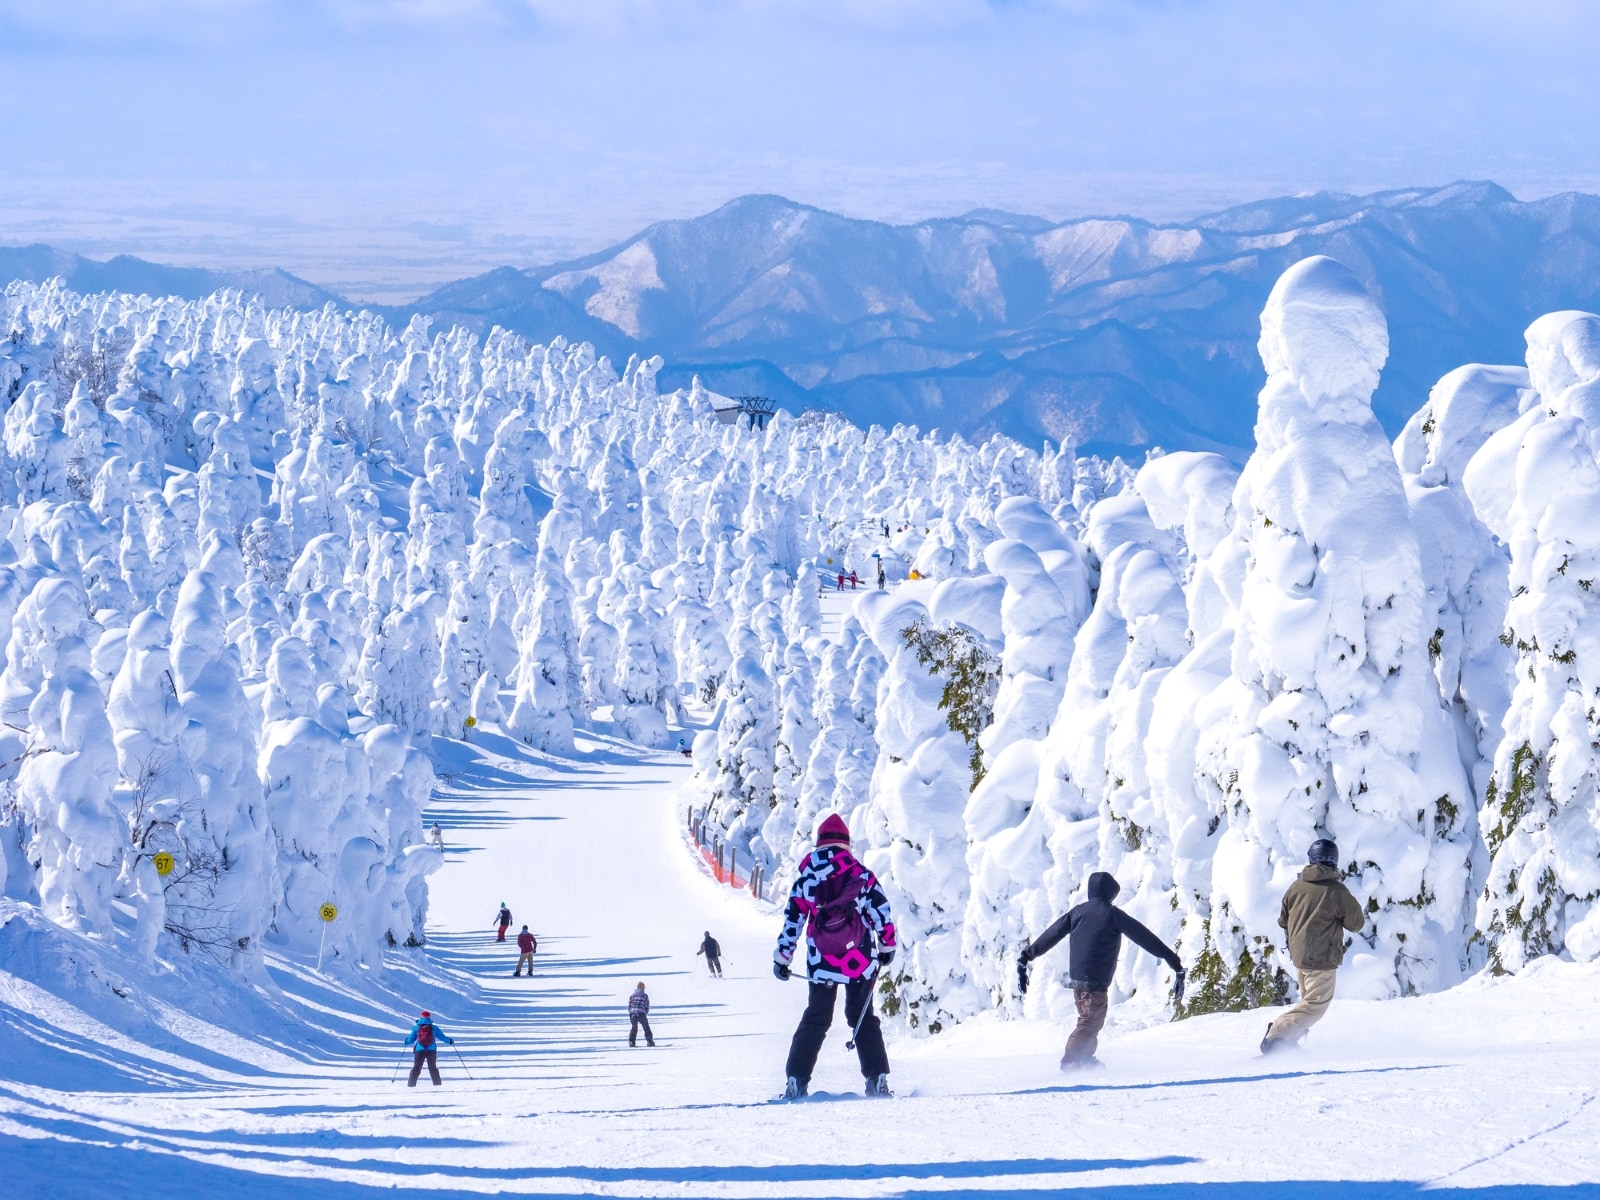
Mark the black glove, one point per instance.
(781, 970)
(1177, 986)
(885, 956)
(1022, 973)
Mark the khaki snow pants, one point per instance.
(1316, 993)
(525, 959)
(1085, 1038)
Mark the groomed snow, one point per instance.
(1489, 1085)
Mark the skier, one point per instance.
(853, 580)
(1097, 927)
(841, 581)
(436, 836)
(639, 1017)
(503, 919)
(844, 911)
(1317, 909)
(713, 953)
(425, 1036)
(526, 945)
(883, 578)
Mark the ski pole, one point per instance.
(463, 1061)
(855, 1031)
(398, 1063)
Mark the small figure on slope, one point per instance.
(425, 1037)
(639, 1017)
(1317, 909)
(526, 945)
(713, 953)
(436, 836)
(1097, 928)
(844, 911)
(503, 920)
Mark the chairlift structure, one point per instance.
(757, 408)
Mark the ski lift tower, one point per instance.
(757, 408)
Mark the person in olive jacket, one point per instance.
(1097, 928)
(1317, 910)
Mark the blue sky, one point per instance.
(528, 129)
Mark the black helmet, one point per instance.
(1323, 852)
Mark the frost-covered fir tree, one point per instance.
(1333, 725)
(1538, 487)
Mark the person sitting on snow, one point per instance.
(1317, 909)
(1097, 928)
(426, 1036)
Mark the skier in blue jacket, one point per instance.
(425, 1037)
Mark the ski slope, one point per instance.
(1487, 1089)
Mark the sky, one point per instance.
(380, 146)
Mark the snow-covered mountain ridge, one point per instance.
(1108, 334)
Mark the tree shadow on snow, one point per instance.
(102, 1167)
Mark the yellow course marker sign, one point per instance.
(328, 912)
(164, 863)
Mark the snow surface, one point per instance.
(286, 1090)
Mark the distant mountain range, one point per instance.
(1111, 333)
(128, 274)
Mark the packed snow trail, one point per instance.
(1487, 1085)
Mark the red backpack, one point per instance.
(838, 930)
(425, 1036)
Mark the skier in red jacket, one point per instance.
(526, 945)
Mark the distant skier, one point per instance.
(1317, 910)
(526, 945)
(841, 581)
(853, 580)
(844, 912)
(639, 1017)
(503, 919)
(425, 1037)
(1097, 928)
(883, 578)
(436, 836)
(713, 953)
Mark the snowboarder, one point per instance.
(713, 953)
(503, 919)
(1317, 909)
(425, 1037)
(1097, 928)
(526, 945)
(436, 836)
(639, 1017)
(844, 912)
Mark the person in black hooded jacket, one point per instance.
(1096, 928)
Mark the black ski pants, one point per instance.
(714, 965)
(429, 1056)
(818, 1016)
